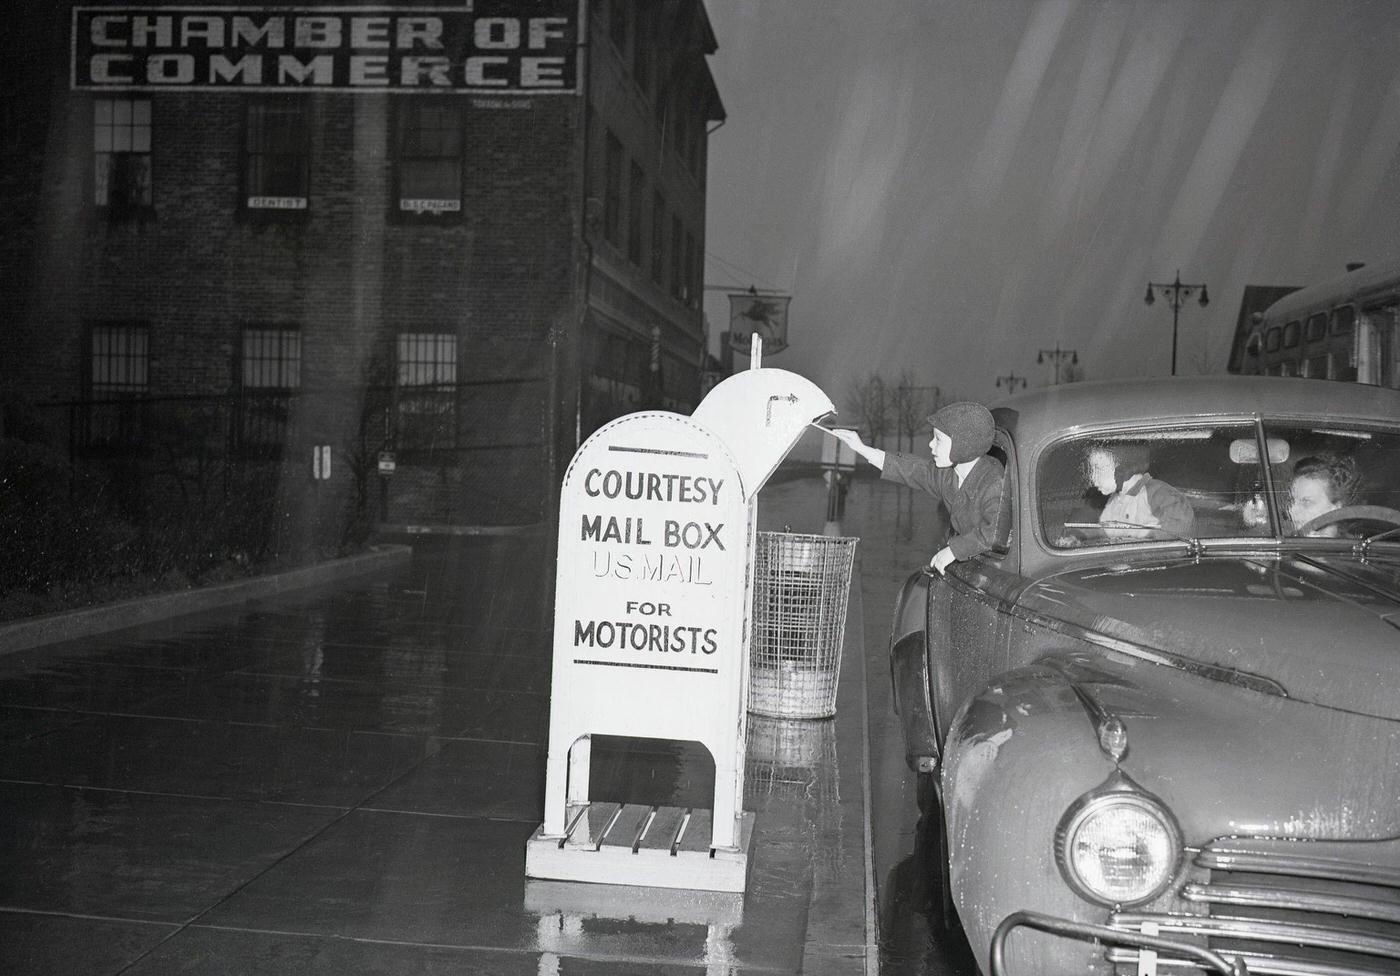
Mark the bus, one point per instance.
(1340, 329)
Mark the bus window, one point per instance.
(1290, 335)
(1316, 367)
(1342, 320)
(1288, 368)
(1316, 327)
(1378, 344)
(1271, 338)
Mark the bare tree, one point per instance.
(906, 403)
(870, 402)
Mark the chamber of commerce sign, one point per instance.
(477, 46)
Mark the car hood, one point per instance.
(1318, 627)
(1232, 761)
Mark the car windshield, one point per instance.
(1330, 480)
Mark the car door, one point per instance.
(970, 627)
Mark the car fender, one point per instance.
(909, 675)
(1019, 747)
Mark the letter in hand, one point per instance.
(848, 437)
(852, 440)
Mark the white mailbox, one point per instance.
(655, 562)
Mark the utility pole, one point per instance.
(1058, 356)
(1176, 294)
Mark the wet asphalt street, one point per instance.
(343, 780)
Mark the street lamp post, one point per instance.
(1058, 356)
(1011, 381)
(1176, 294)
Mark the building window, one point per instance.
(636, 197)
(677, 259)
(269, 373)
(271, 358)
(118, 375)
(121, 144)
(658, 238)
(426, 390)
(277, 173)
(692, 273)
(429, 156)
(620, 24)
(612, 190)
(642, 47)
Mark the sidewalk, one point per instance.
(341, 780)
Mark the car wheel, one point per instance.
(931, 851)
(926, 792)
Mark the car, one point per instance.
(1172, 735)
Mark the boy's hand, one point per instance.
(941, 559)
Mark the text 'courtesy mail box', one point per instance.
(655, 554)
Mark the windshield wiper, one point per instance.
(1193, 546)
(1364, 545)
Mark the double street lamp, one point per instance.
(1176, 294)
(1011, 381)
(1058, 356)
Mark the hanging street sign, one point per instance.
(753, 314)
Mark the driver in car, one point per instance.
(1321, 483)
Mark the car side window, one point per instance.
(1127, 486)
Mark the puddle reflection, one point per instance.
(592, 920)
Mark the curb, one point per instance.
(51, 628)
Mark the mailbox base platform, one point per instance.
(639, 844)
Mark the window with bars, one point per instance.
(426, 381)
(277, 151)
(269, 373)
(118, 376)
(636, 197)
(430, 140)
(121, 154)
(271, 358)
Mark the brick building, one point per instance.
(445, 242)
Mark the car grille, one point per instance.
(1289, 908)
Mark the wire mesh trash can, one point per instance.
(801, 586)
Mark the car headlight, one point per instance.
(1118, 847)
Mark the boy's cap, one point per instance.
(969, 426)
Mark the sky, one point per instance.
(947, 187)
